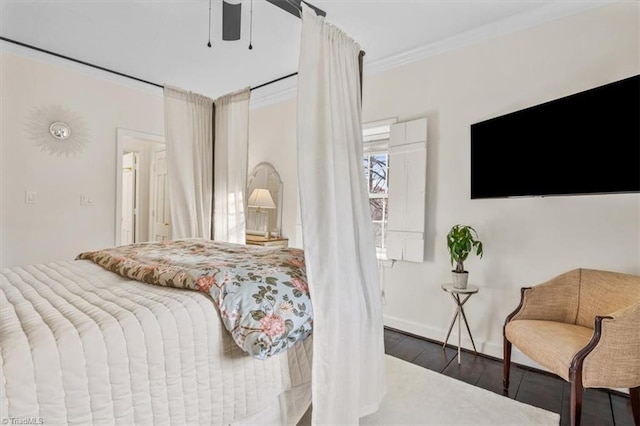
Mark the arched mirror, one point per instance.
(264, 205)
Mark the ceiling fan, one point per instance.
(232, 13)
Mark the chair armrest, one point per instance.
(615, 360)
(554, 300)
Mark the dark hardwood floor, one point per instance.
(599, 407)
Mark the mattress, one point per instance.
(82, 345)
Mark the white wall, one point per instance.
(57, 227)
(272, 138)
(526, 240)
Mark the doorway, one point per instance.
(142, 201)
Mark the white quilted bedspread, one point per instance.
(81, 345)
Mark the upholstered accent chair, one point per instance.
(584, 326)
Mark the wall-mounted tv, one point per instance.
(585, 143)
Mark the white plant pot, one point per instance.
(460, 279)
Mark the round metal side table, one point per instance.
(460, 296)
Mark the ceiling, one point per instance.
(165, 41)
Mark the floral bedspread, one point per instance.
(261, 293)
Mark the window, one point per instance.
(376, 169)
(395, 166)
(376, 166)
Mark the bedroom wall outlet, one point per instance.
(86, 200)
(31, 197)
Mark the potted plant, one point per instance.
(461, 241)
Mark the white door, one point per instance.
(160, 219)
(128, 198)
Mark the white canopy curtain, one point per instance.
(348, 346)
(188, 121)
(230, 166)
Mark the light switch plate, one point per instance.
(30, 197)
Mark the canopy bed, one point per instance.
(86, 342)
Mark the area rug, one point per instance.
(418, 396)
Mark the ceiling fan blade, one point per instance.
(294, 7)
(231, 14)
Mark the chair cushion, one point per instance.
(551, 344)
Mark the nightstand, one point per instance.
(258, 240)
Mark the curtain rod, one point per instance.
(68, 58)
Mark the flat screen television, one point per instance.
(585, 143)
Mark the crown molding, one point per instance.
(275, 93)
(544, 14)
(547, 13)
(286, 90)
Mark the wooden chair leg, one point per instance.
(576, 398)
(506, 365)
(634, 395)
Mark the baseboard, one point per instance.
(494, 352)
(491, 349)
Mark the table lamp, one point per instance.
(261, 199)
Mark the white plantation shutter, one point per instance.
(407, 190)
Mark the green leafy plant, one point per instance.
(461, 241)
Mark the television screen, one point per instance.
(585, 143)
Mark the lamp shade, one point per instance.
(261, 198)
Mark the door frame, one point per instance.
(121, 135)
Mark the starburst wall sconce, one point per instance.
(57, 130)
